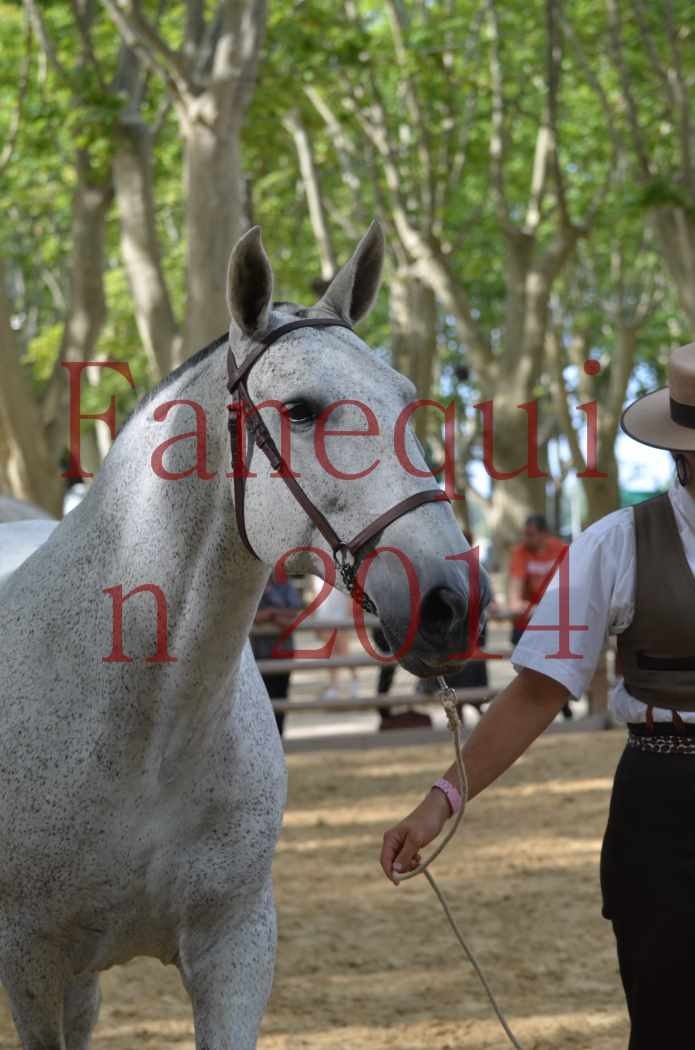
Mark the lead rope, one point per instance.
(447, 698)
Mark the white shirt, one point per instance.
(601, 589)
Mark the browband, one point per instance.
(235, 375)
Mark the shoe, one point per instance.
(330, 694)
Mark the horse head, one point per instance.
(340, 417)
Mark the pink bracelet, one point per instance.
(452, 795)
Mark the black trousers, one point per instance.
(648, 887)
(278, 686)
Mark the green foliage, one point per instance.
(435, 98)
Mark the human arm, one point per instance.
(516, 603)
(513, 721)
(591, 595)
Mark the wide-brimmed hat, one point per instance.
(666, 418)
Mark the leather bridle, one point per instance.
(244, 411)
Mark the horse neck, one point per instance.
(181, 535)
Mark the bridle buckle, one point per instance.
(346, 565)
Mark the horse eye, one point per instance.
(300, 412)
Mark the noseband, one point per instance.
(243, 410)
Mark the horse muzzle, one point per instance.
(437, 631)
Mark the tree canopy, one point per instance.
(532, 165)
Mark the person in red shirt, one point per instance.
(531, 568)
(532, 565)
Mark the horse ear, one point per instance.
(250, 283)
(353, 290)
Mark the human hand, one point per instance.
(402, 844)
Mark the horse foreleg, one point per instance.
(229, 977)
(81, 1009)
(34, 982)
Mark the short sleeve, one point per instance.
(589, 597)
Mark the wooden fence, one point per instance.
(597, 693)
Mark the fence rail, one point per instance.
(597, 692)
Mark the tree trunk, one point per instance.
(132, 169)
(514, 442)
(314, 197)
(213, 191)
(675, 233)
(211, 123)
(531, 273)
(87, 310)
(5, 485)
(210, 80)
(602, 494)
(413, 310)
(28, 468)
(513, 446)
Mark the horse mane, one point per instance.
(194, 360)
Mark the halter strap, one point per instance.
(344, 553)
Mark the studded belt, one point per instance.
(662, 744)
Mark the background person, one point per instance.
(277, 608)
(386, 674)
(388, 719)
(336, 606)
(630, 574)
(532, 564)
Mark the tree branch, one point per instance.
(460, 121)
(554, 72)
(433, 268)
(8, 149)
(555, 357)
(589, 71)
(193, 33)
(155, 53)
(238, 46)
(682, 96)
(424, 143)
(615, 37)
(647, 38)
(498, 142)
(347, 158)
(312, 188)
(83, 17)
(42, 35)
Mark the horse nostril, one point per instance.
(443, 614)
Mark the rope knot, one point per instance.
(447, 698)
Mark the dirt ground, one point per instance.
(362, 964)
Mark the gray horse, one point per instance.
(141, 798)
(17, 510)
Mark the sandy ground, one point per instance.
(362, 964)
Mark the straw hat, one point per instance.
(666, 417)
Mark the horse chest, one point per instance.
(131, 854)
